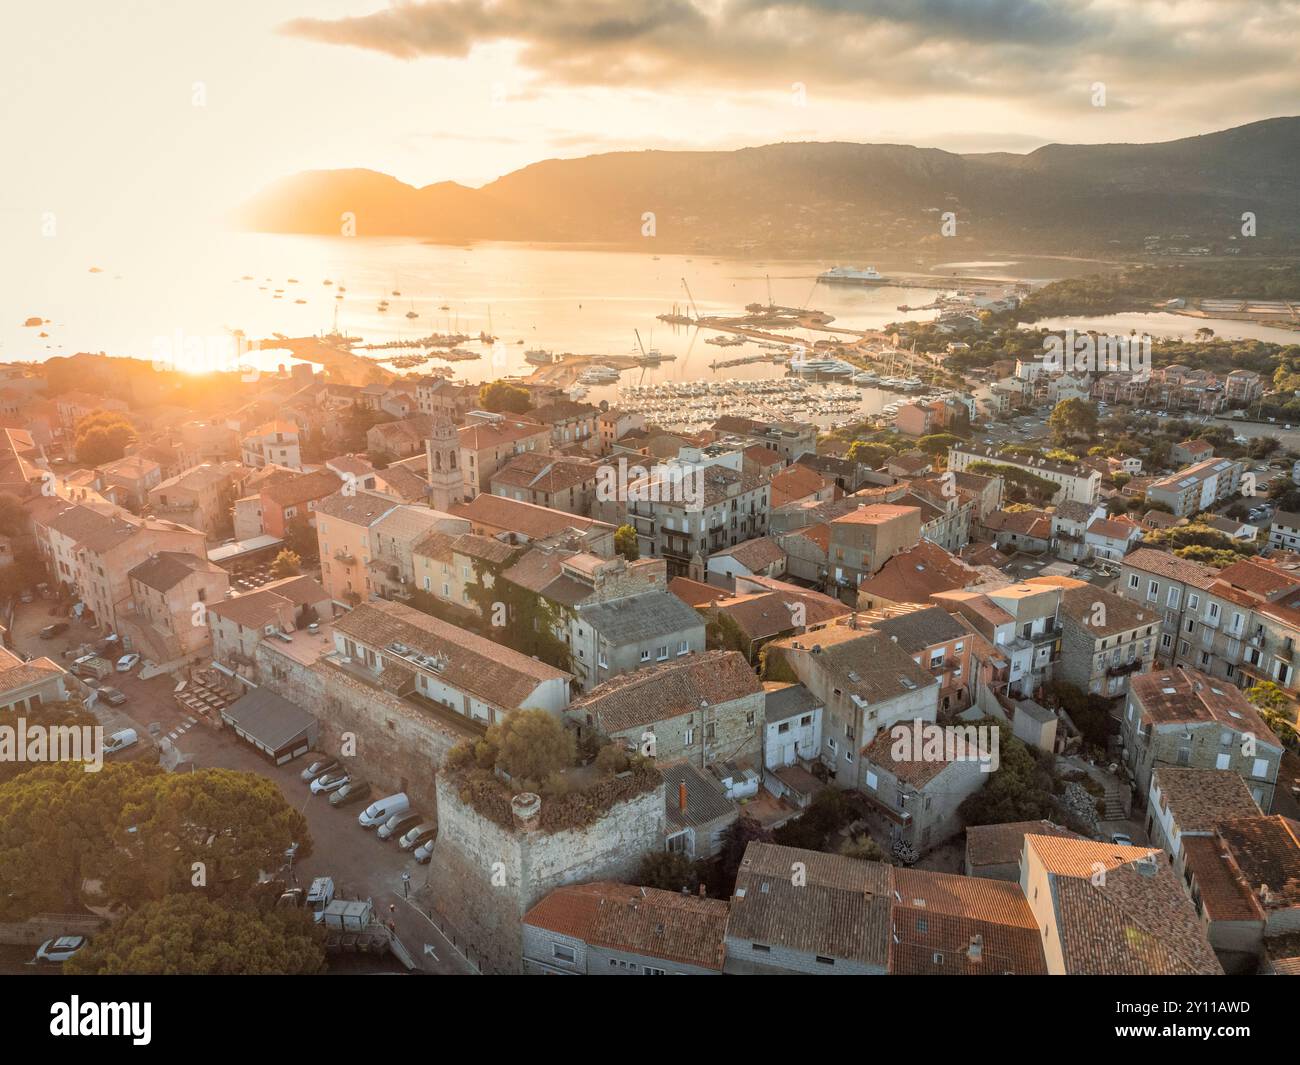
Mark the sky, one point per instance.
(147, 114)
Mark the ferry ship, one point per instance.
(851, 275)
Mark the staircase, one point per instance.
(1115, 808)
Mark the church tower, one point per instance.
(443, 450)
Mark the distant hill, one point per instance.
(824, 197)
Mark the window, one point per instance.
(563, 953)
(1133, 580)
(645, 656)
(825, 961)
(1193, 601)
(1260, 768)
(683, 648)
(651, 971)
(760, 948)
(1153, 590)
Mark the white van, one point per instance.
(381, 810)
(120, 740)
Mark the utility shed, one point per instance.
(281, 730)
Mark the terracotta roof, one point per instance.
(1223, 896)
(1022, 522)
(1114, 528)
(167, 569)
(873, 514)
(669, 690)
(527, 519)
(1258, 577)
(761, 614)
(795, 483)
(917, 771)
(840, 909)
(1163, 564)
(819, 534)
(861, 662)
(962, 925)
(914, 575)
(253, 610)
(756, 554)
(1201, 798)
(1104, 613)
(545, 473)
(637, 920)
(1121, 911)
(1180, 696)
(763, 456)
(359, 508)
(479, 435)
(494, 673)
(1003, 844)
(292, 491)
(1266, 852)
(694, 593)
(914, 630)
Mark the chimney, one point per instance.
(526, 806)
(681, 796)
(703, 892)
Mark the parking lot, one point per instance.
(362, 866)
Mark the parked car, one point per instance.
(399, 823)
(121, 740)
(128, 662)
(318, 765)
(1121, 840)
(381, 810)
(425, 850)
(51, 631)
(331, 781)
(421, 833)
(352, 791)
(60, 948)
(112, 696)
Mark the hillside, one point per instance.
(824, 197)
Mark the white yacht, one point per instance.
(599, 375)
(851, 275)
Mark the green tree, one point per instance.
(1267, 695)
(531, 745)
(138, 834)
(862, 847)
(625, 543)
(1073, 419)
(869, 453)
(503, 398)
(102, 436)
(194, 935)
(287, 564)
(668, 871)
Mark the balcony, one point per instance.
(1124, 668)
(345, 556)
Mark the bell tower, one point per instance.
(443, 451)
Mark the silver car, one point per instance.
(421, 833)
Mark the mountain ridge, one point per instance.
(824, 195)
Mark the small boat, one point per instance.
(443, 307)
(299, 301)
(851, 275)
(866, 377)
(412, 314)
(327, 281)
